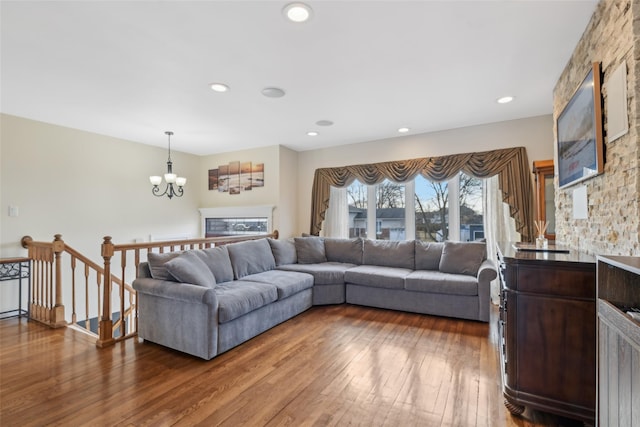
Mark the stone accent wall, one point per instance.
(613, 223)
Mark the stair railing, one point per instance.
(107, 300)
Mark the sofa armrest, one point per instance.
(176, 291)
(178, 315)
(487, 272)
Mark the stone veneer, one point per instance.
(613, 224)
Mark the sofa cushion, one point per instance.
(157, 264)
(428, 255)
(326, 273)
(284, 251)
(438, 282)
(250, 257)
(310, 250)
(344, 250)
(389, 254)
(377, 276)
(190, 268)
(218, 261)
(238, 298)
(462, 257)
(287, 282)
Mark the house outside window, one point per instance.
(426, 216)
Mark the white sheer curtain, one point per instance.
(336, 220)
(498, 226)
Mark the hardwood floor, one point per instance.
(330, 366)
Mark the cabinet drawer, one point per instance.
(559, 281)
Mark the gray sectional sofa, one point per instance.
(207, 301)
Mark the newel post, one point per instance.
(105, 337)
(57, 314)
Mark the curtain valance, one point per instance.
(510, 164)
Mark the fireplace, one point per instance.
(240, 220)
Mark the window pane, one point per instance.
(357, 199)
(390, 211)
(432, 210)
(471, 208)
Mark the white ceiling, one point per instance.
(133, 69)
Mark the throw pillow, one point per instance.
(251, 257)
(462, 257)
(428, 255)
(190, 268)
(218, 261)
(284, 251)
(310, 250)
(157, 264)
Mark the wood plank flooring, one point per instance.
(330, 366)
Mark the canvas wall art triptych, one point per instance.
(236, 177)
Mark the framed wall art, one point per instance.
(579, 133)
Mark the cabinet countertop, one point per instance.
(509, 252)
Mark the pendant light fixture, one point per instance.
(169, 177)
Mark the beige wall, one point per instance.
(613, 221)
(534, 133)
(280, 189)
(85, 186)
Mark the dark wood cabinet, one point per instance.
(618, 341)
(548, 331)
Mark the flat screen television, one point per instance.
(579, 133)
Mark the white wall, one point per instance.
(85, 186)
(535, 133)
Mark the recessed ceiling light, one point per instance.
(273, 92)
(505, 99)
(297, 12)
(403, 130)
(313, 133)
(219, 87)
(324, 123)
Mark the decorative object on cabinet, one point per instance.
(548, 331)
(169, 177)
(543, 171)
(618, 341)
(236, 177)
(579, 133)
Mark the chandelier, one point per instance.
(169, 177)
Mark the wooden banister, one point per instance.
(47, 284)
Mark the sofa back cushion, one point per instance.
(310, 250)
(190, 268)
(462, 257)
(218, 261)
(344, 250)
(428, 255)
(157, 264)
(284, 251)
(389, 254)
(251, 257)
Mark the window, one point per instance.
(471, 208)
(357, 196)
(390, 211)
(426, 216)
(432, 210)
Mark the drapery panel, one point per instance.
(510, 164)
